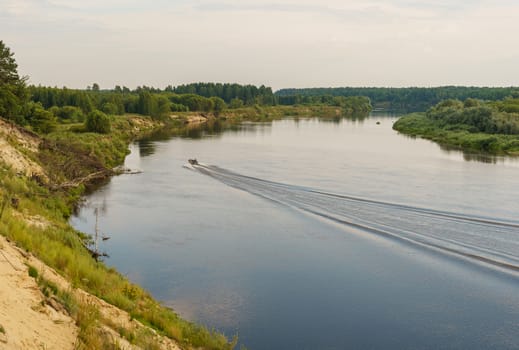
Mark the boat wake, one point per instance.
(485, 239)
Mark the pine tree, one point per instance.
(12, 88)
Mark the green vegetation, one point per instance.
(70, 106)
(471, 125)
(12, 86)
(398, 99)
(87, 316)
(268, 113)
(247, 94)
(33, 272)
(90, 322)
(97, 121)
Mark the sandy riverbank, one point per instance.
(30, 317)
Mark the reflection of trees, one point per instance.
(213, 128)
(345, 115)
(146, 148)
(355, 116)
(468, 156)
(472, 157)
(484, 158)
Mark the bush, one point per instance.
(177, 107)
(68, 113)
(40, 119)
(236, 103)
(33, 272)
(98, 122)
(218, 105)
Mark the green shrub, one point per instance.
(33, 272)
(460, 135)
(69, 113)
(98, 122)
(39, 119)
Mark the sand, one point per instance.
(28, 322)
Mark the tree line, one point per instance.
(409, 99)
(42, 107)
(247, 94)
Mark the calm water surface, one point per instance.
(220, 253)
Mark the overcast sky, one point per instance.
(279, 43)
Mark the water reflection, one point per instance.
(484, 158)
(471, 156)
(146, 147)
(215, 128)
(345, 115)
(219, 126)
(284, 280)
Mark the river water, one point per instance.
(312, 234)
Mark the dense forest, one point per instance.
(240, 94)
(412, 99)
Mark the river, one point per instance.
(313, 234)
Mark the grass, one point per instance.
(2, 329)
(457, 136)
(87, 317)
(61, 247)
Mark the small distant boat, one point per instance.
(193, 161)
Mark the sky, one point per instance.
(281, 43)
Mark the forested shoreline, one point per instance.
(408, 99)
(42, 108)
(491, 127)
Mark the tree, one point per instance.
(109, 108)
(12, 87)
(218, 105)
(39, 119)
(98, 122)
(236, 103)
(68, 113)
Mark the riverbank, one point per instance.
(269, 113)
(472, 125)
(41, 309)
(41, 181)
(418, 125)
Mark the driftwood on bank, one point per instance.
(98, 175)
